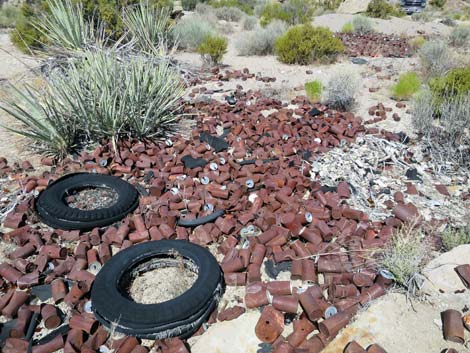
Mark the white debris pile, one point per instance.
(376, 169)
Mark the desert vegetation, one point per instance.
(344, 135)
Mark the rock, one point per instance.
(359, 61)
(236, 336)
(353, 6)
(440, 274)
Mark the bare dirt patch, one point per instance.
(161, 284)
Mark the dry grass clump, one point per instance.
(460, 36)
(230, 14)
(261, 41)
(452, 238)
(341, 90)
(191, 31)
(405, 255)
(249, 23)
(436, 58)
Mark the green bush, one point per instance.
(212, 49)
(438, 3)
(98, 96)
(9, 15)
(455, 83)
(273, 11)
(408, 84)
(304, 44)
(189, 32)
(383, 9)
(262, 40)
(460, 36)
(314, 90)
(347, 28)
(26, 35)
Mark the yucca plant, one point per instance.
(150, 28)
(99, 96)
(65, 27)
(44, 117)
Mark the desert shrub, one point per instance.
(99, 96)
(304, 44)
(273, 11)
(150, 28)
(26, 35)
(314, 90)
(191, 31)
(452, 238)
(9, 15)
(249, 23)
(460, 36)
(405, 255)
(232, 14)
(435, 58)
(203, 9)
(438, 3)
(347, 28)
(383, 9)
(408, 84)
(212, 49)
(341, 90)
(362, 25)
(455, 83)
(244, 5)
(190, 5)
(443, 124)
(262, 40)
(299, 11)
(292, 11)
(417, 42)
(329, 4)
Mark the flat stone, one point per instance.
(440, 274)
(235, 336)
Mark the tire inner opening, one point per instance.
(91, 198)
(159, 279)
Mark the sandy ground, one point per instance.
(14, 68)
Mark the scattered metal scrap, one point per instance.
(377, 171)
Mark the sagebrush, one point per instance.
(231, 14)
(261, 41)
(9, 15)
(191, 31)
(460, 36)
(249, 22)
(362, 25)
(383, 9)
(436, 58)
(341, 90)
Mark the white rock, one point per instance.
(236, 336)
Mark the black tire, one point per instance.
(53, 210)
(180, 316)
